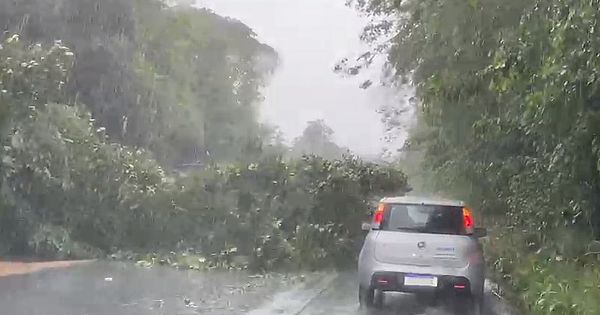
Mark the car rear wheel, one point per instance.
(370, 298)
(477, 306)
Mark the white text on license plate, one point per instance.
(420, 280)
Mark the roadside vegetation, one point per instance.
(129, 129)
(508, 120)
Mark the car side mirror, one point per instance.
(366, 226)
(480, 232)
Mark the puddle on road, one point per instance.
(295, 300)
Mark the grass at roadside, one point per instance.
(543, 283)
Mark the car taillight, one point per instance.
(378, 216)
(468, 221)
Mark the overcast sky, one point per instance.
(310, 37)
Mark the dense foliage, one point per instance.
(93, 130)
(509, 120)
(164, 79)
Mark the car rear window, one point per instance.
(424, 219)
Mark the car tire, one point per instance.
(370, 298)
(365, 297)
(378, 299)
(477, 306)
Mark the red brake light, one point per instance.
(382, 281)
(468, 220)
(378, 216)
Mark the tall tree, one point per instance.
(157, 77)
(317, 139)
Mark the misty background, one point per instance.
(311, 36)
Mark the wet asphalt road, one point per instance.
(116, 288)
(125, 289)
(339, 297)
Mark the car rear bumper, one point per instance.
(472, 277)
(394, 281)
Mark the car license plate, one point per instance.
(420, 281)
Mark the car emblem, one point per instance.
(421, 245)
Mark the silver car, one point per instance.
(422, 246)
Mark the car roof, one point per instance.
(415, 200)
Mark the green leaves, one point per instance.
(32, 75)
(305, 211)
(534, 88)
(162, 78)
